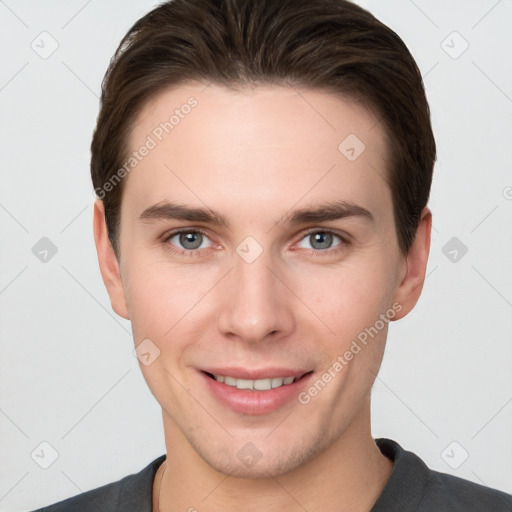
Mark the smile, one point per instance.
(258, 385)
(255, 392)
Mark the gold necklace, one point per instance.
(160, 486)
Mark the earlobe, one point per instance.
(109, 266)
(411, 285)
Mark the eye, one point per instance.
(188, 240)
(321, 240)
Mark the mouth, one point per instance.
(256, 384)
(255, 392)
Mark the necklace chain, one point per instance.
(160, 487)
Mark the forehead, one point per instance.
(273, 142)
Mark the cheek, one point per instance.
(157, 299)
(164, 308)
(350, 298)
(171, 306)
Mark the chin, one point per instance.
(260, 459)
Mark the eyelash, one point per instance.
(344, 242)
(183, 252)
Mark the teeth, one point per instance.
(230, 381)
(262, 384)
(276, 382)
(259, 385)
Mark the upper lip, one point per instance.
(256, 374)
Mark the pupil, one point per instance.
(190, 240)
(321, 240)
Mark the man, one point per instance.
(262, 172)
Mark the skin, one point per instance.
(255, 156)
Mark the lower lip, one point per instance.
(255, 402)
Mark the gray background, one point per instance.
(68, 376)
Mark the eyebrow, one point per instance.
(167, 211)
(330, 211)
(333, 210)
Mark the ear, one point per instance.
(107, 260)
(415, 265)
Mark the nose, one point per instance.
(255, 304)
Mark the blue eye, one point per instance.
(189, 240)
(321, 240)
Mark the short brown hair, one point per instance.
(331, 45)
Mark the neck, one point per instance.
(349, 475)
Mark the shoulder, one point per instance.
(104, 498)
(131, 493)
(456, 494)
(412, 486)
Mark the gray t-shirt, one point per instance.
(411, 487)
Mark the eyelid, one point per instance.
(178, 231)
(344, 238)
(171, 234)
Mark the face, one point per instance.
(258, 250)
